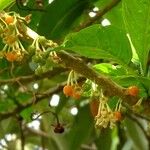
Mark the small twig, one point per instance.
(22, 137)
(45, 112)
(99, 14)
(31, 78)
(39, 97)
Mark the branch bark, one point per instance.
(99, 14)
(110, 87)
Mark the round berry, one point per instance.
(76, 95)
(9, 19)
(133, 90)
(117, 115)
(94, 107)
(59, 129)
(68, 90)
(11, 56)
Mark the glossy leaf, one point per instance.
(137, 21)
(115, 16)
(99, 42)
(104, 140)
(110, 69)
(59, 17)
(81, 130)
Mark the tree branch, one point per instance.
(110, 87)
(31, 78)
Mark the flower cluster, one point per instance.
(106, 117)
(12, 28)
(13, 31)
(41, 55)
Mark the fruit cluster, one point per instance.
(73, 91)
(72, 88)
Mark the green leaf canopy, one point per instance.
(100, 42)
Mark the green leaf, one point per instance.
(104, 140)
(110, 69)
(137, 136)
(115, 16)
(23, 97)
(137, 21)
(59, 17)
(100, 42)
(81, 129)
(26, 114)
(5, 3)
(7, 105)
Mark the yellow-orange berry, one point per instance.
(68, 90)
(94, 107)
(76, 95)
(117, 115)
(9, 19)
(11, 56)
(133, 91)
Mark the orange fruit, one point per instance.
(76, 95)
(68, 90)
(94, 107)
(117, 115)
(11, 56)
(133, 90)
